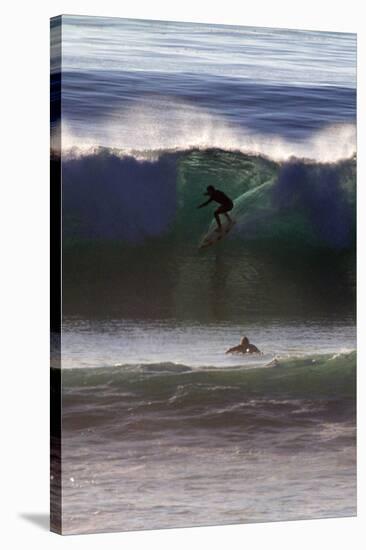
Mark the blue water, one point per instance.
(140, 99)
(150, 85)
(160, 427)
(268, 55)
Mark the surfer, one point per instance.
(244, 347)
(226, 204)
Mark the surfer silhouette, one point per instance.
(226, 204)
(244, 347)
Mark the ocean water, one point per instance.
(166, 445)
(118, 342)
(160, 427)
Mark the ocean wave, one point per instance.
(110, 196)
(145, 134)
(296, 391)
(294, 369)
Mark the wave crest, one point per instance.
(145, 131)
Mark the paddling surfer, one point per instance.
(226, 204)
(244, 347)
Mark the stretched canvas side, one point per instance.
(55, 277)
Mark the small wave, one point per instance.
(133, 399)
(130, 398)
(218, 378)
(157, 368)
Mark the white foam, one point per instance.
(163, 124)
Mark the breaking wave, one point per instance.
(111, 195)
(293, 390)
(147, 132)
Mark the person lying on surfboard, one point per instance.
(244, 347)
(226, 204)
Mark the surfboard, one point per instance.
(213, 236)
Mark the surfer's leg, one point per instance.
(226, 212)
(217, 218)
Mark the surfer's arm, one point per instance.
(233, 350)
(205, 203)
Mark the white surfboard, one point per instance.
(213, 236)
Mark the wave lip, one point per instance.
(147, 131)
(280, 370)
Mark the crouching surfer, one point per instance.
(226, 204)
(244, 347)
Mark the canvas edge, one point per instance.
(55, 276)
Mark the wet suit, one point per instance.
(226, 204)
(244, 347)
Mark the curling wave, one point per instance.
(110, 196)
